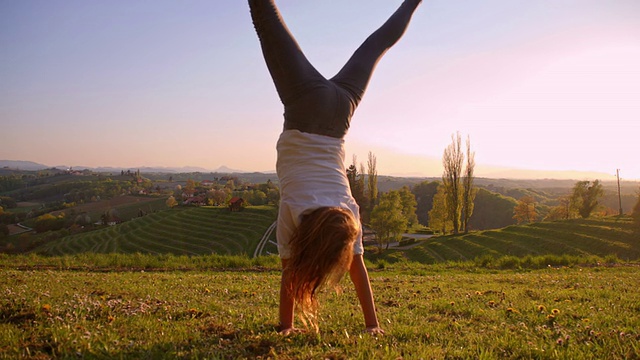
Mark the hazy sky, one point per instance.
(540, 85)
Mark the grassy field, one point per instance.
(180, 284)
(428, 311)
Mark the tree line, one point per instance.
(582, 201)
(393, 213)
(454, 204)
(219, 194)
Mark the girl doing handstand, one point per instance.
(318, 228)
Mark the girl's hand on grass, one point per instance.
(374, 330)
(289, 331)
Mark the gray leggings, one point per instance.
(312, 103)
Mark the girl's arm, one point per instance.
(360, 278)
(286, 302)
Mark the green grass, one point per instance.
(160, 286)
(430, 312)
(137, 262)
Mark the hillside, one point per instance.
(182, 230)
(206, 230)
(579, 237)
(138, 203)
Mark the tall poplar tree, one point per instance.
(635, 214)
(372, 181)
(356, 182)
(452, 160)
(468, 190)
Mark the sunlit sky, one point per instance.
(548, 85)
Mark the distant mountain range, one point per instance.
(33, 166)
(22, 165)
(481, 172)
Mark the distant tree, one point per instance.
(365, 210)
(372, 181)
(585, 196)
(409, 204)
(525, 210)
(49, 222)
(171, 202)
(82, 219)
(190, 188)
(562, 211)
(452, 160)
(270, 184)
(635, 214)
(356, 183)
(424, 193)
(387, 219)
(468, 189)
(439, 214)
(12, 182)
(273, 196)
(217, 197)
(8, 202)
(258, 197)
(363, 182)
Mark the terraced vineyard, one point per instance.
(184, 231)
(583, 237)
(205, 230)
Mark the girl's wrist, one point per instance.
(374, 330)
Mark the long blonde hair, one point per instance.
(321, 253)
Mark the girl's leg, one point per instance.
(355, 74)
(288, 66)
